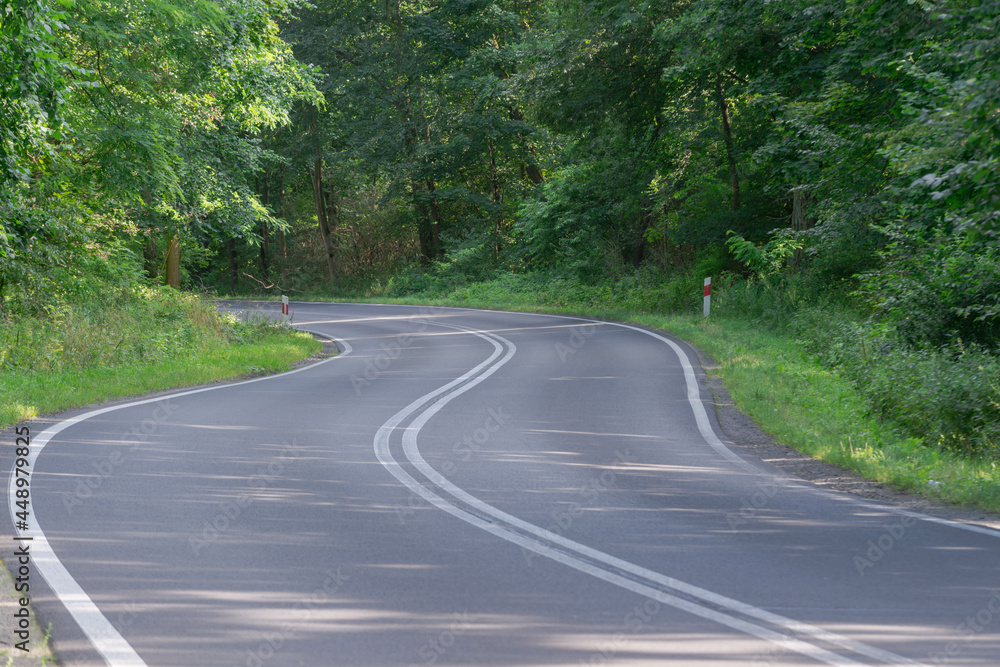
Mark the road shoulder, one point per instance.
(751, 441)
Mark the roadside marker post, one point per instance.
(708, 295)
(284, 305)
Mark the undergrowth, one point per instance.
(71, 355)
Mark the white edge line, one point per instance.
(115, 650)
(704, 424)
(411, 449)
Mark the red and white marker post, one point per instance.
(285, 310)
(708, 295)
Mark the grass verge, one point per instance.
(771, 376)
(25, 395)
(170, 341)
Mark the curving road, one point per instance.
(463, 487)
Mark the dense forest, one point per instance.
(837, 164)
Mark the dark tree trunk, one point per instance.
(498, 201)
(528, 169)
(284, 214)
(324, 223)
(727, 132)
(639, 251)
(174, 262)
(436, 248)
(265, 233)
(265, 250)
(151, 256)
(800, 223)
(425, 224)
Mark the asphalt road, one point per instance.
(463, 487)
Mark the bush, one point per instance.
(948, 396)
(144, 325)
(951, 396)
(941, 291)
(253, 326)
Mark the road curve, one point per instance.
(464, 487)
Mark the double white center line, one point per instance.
(791, 635)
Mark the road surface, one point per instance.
(463, 487)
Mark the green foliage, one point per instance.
(940, 291)
(947, 396)
(143, 325)
(764, 260)
(134, 326)
(164, 340)
(253, 326)
(426, 108)
(47, 255)
(166, 132)
(124, 124)
(566, 223)
(33, 86)
(952, 161)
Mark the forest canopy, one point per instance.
(239, 145)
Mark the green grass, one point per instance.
(770, 375)
(815, 410)
(25, 395)
(150, 341)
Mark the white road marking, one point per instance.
(118, 653)
(704, 425)
(479, 374)
(115, 650)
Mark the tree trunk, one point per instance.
(428, 220)
(425, 225)
(498, 201)
(727, 132)
(173, 271)
(436, 248)
(639, 252)
(529, 169)
(321, 214)
(265, 250)
(800, 223)
(265, 233)
(151, 256)
(284, 214)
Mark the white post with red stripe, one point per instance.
(708, 295)
(284, 305)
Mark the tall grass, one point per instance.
(72, 355)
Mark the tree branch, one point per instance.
(276, 286)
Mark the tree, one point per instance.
(179, 89)
(421, 96)
(33, 86)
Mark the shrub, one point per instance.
(940, 291)
(948, 396)
(144, 325)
